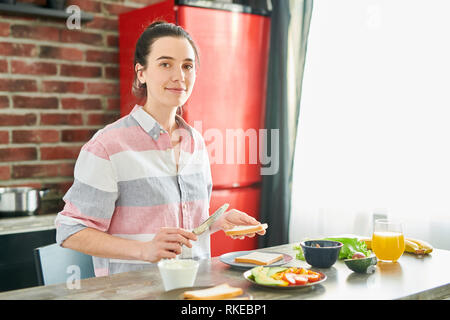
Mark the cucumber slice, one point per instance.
(260, 274)
(272, 270)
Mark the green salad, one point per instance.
(350, 246)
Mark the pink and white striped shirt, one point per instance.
(126, 184)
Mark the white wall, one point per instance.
(374, 127)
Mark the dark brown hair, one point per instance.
(153, 32)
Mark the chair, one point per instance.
(53, 262)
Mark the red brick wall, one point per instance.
(57, 88)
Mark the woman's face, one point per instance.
(170, 72)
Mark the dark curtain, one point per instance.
(290, 20)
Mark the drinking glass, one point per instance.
(177, 273)
(388, 242)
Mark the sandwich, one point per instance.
(219, 292)
(245, 229)
(259, 258)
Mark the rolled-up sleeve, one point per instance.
(90, 201)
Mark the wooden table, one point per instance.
(412, 277)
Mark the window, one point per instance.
(374, 127)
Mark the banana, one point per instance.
(423, 245)
(413, 247)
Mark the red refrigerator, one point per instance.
(228, 97)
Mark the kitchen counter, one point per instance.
(27, 224)
(19, 236)
(412, 277)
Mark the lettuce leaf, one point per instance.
(299, 254)
(350, 246)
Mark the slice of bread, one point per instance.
(259, 258)
(241, 230)
(219, 292)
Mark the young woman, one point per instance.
(143, 182)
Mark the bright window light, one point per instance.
(374, 127)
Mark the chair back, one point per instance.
(55, 264)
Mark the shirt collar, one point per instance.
(151, 126)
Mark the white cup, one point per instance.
(178, 273)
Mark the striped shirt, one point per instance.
(126, 184)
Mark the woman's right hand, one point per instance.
(166, 244)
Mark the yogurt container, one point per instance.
(178, 273)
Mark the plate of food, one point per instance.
(252, 258)
(218, 292)
(284, 277)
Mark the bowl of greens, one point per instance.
(350, 246)
(321, 253)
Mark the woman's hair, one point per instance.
(153, 32)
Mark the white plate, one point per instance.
(228, 258)
(323, 277)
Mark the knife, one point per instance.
(208, 222)
(186, 252)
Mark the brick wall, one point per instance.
(57, 88)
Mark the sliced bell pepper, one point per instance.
(284, 284)
(303, 271)
(278, 275)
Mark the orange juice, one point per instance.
(388, 246)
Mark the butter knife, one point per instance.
(186, 252)
(208, 222)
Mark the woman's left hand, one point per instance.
(234, 218)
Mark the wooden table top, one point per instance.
(412, 277)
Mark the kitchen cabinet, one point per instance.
(18, 237)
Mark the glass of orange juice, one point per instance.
(388, 242)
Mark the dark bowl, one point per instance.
(321, 257)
